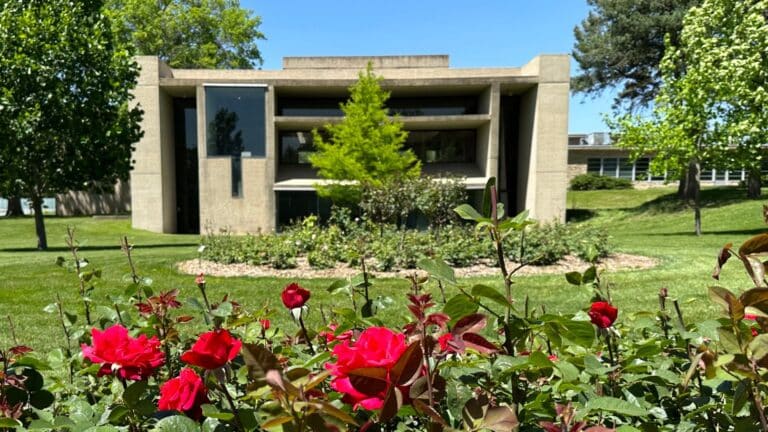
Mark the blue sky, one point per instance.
(487, 33)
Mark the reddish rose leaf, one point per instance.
(408, 366)
(392, 404)
(479, 343)
(370, 380)
(756, 244)
(722, 258)
(470, 323)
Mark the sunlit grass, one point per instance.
(646, 222)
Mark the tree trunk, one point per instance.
(37, 207)
(14, 206)
(754, 183)
(692, 192)
(682, 186)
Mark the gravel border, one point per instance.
(614, 262)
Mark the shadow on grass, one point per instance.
(98, 247)
(705, 233)
(711, 197)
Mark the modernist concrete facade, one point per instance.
(509, 123)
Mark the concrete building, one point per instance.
(228, 148)
(595, 153)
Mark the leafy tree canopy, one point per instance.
(712, 110)
(621, 44)
(65, 82)
(366, 146)
(208, 34)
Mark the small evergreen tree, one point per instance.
(365, 148)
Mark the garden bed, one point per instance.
(614, 262)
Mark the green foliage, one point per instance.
(621, 43)
(438, 197)
(366, 147)
(65, 83)
(390, 248)
(584, 182)
(207, 34)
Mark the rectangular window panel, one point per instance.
(432, 106)
(310, 107)
(609, 167)
(706, 174)
(641, 168)
(237, 177)
(734, 175)
(625, 168)
(235, 121)
(296, 147)
(593, 165)
(445, 146)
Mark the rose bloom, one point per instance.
(294, 296)
(127, 357)
(376, 347)
(265, 323)
(603, 314)
(330, 334)
(212, 350)
(185, 393)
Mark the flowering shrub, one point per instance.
(474, 360)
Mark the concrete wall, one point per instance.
(153, 200)
(544, 128)
(77, 203)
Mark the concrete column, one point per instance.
(153, 198)
(545, 196)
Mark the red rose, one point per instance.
(444, 340)
(331, 336)
(212, 350)
(294, 296)
(265, 324)
(603, 314)
(185, 393)
(376, 347)
(117, 352)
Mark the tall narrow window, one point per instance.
(235, 126)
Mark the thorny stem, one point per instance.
(442, 290)
(66, 334)
(759, 406)
(306, 335)
(13, 330)
(231, 401)
(126, 248)
(70, 240)
(119, 315)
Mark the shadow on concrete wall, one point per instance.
(115, 200)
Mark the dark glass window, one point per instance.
(625, 168)
(706, 174)
(296, 147)
(404, 106)
(310, 107)
(641, 168)
(237, 176)
(445, 146)
(185, 134)
(433, 106)
(236, 122)
(609, 167)
(593, 165)
(294, 206)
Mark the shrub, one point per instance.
(597, 182)
(438, 197)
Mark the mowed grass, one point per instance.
(646, 222)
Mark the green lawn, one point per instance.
(648, 222)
